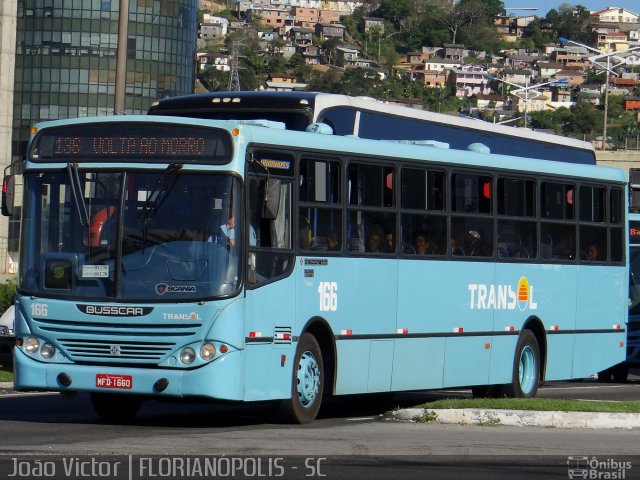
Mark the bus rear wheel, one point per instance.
(307, 383)
(526, 368)
(115, 408)
(620, 372)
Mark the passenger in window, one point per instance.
(592, 253)
(424, 245)
(455, 250)
(374, 242)
(473, 244)
(390, 244)
(304, 233)
(333, 243)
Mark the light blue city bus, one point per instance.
(620, 372)
(178, 258)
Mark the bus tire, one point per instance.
(307, 383)
(115, 408)
(526, 368)
(605, 376)
(620, 373)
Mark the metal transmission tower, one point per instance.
(234, 78)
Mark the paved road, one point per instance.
(352, 435)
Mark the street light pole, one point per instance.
(594, 59)
(606, 105)
(526, 99)
(121, 58)
(525, 90)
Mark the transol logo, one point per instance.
(484, 296)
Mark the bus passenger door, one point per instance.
(269, 313)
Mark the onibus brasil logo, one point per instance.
(502, 297)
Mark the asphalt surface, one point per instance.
(588, 390)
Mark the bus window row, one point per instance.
(372, 233)
(457, 213)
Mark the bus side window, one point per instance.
(320, 197)
(557, 203)
(270, 239)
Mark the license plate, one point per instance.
(107, 380)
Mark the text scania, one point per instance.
(500, 297)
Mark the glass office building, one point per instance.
(66, 58)
(65, 67)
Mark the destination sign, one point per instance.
(634, 232)
(136, 146)
(147, 142)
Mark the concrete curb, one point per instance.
(522, 418)
(6, 385)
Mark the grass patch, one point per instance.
(428, 417)
(6, 374)
(541, 404)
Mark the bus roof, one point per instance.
(452, 120)
(314, 106)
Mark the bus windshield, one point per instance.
(131, 236)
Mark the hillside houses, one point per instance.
(552, 77)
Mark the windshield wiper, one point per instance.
(76, 192)
(158, 195)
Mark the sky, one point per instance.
(545, 5)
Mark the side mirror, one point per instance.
(271, 203)
(8, 189)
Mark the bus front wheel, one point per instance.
(307, 383)
(526, 368)
(114, 408)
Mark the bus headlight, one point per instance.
(47, 350)
(187, 356)
(207, 352)
(31, 345)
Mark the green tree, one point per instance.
(571, 22)
(616, 107)
(492, 8)
(326, 81)
(329, 49)
(585, 118)
(359, 82)
(389, 58)
(543, 119)
(538, 34)
(214, 80)
(459, 15)
(373, 36)
(394, 10)
(593, 77)
(298, 66)
(632, 130)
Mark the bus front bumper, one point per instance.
(219, 379)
